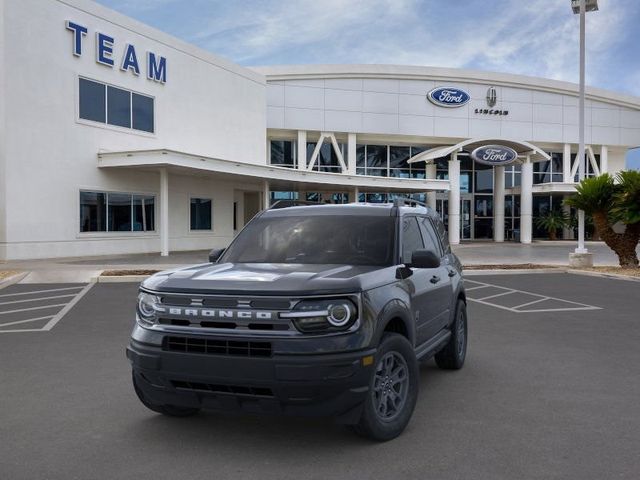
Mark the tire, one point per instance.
(385, 415)
(452, 356)
(169, 410)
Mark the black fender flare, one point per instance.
(395, 309)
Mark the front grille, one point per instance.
(278, 325)
(217, 347)
(215, 388)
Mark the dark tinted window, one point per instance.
(429, 236)
(119, 212)
(92, 101)
(142, 112)
(441, 230)
(143, 213)
(93, 212)
(283, 153)
(118, 107)
(315, 239)
(200, 214)
(411, 238)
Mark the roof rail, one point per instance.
(407, 202)
(291, 203)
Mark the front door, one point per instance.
(426, 286)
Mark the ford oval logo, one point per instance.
(448, 97)
(494, 155)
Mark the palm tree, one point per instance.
(552, 221)
(609, 202)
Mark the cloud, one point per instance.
(533, 37)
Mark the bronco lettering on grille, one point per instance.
(216, 313)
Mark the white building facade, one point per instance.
(117, 138)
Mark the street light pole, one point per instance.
(580, 256)
(581, 158)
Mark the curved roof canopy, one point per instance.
(522, 148)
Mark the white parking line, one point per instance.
(521, 308)
(32, 308)
(38, 299)
(69, 306)
(25, 321)
(41, 291)
(53, 319)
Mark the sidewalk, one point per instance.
(83, 269)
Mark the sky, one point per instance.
(529, 37)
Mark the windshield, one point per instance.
(318, 239)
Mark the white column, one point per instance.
(351, 153)
(454, 199)
(604, 159)
(498, 204)
(266, 195)
(566, 164)
(302, 150)
(431, 173)
(356, 194)
(164, 212)
(526, 202)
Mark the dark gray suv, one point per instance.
(312, 310)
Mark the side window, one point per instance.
(430, 237)
(442, 233)
(411, 238)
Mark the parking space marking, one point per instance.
(53, 319)
(39, 299)
(521, 308)
(41, 291)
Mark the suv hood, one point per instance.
(270, 279)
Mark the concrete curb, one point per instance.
(614, 276)
(519, 271)
(12, 279)
(120, 279)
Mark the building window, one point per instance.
(116, 212)
(327, 160)
(389, 161)
(201, 214)
(283, 153)
(549, 170)
(111, 105)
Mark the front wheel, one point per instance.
(393, 390)
(169, 410)
(452, 356)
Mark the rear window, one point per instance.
(318, 239)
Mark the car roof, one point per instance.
(360, 209)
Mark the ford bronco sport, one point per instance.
(311, 310)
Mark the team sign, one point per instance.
(156, 65)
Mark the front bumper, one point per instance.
(307, 385)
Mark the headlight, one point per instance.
(147, 308)
(310, 316)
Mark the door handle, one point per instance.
(434, 279)
(452, 273)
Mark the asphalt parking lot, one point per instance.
(551, 389)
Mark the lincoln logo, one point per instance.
(494, 155)
(214, 313)
(492, 97)
(448, 97)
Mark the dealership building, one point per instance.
(118, 138)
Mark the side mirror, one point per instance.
(424, 259)
(215, 254)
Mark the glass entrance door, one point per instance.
(466, 220)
